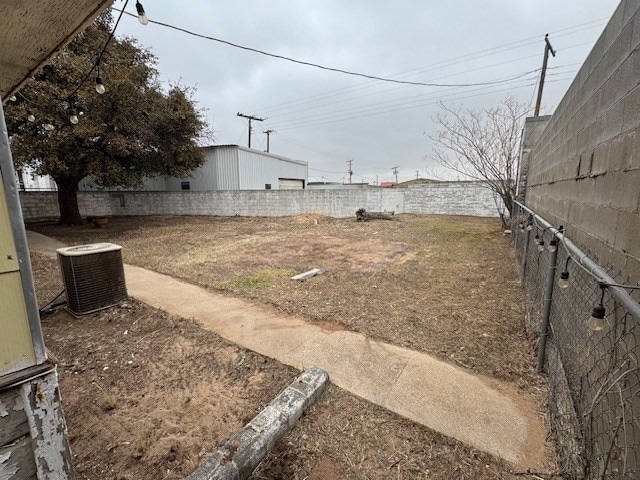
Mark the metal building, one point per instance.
(232, 167)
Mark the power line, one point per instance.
(330, 120)
(314, 65)
(454, 61)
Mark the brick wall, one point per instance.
(584, 170)
(454, 198)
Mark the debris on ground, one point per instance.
(306, 275)
(362, 215)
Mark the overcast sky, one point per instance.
(327, 118)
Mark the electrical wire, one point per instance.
(314, 65)
(97, 62)
(343, 117)
(47, 305)
(451, 62)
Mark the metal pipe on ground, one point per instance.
(243, 452)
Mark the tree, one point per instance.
(133, 130)
(482, 145)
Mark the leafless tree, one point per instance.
(482, 144)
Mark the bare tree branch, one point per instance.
(481, 144)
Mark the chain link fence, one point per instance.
(593, 364)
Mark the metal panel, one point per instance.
(226, 170)
(8, 255)
(259, 168)
(27, 295)
(16, 346)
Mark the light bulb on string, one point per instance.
(48, 127)
(564, 280)
(99, 85)
(553, 245)
(541, 245)
(142, 16)
(564, 275)
(73, 118)
(597, 320)
(31, 118)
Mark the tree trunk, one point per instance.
(68, 200)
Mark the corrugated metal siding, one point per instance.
(225, 161)
(257, 169)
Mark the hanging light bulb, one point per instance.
(521, 226)
(99, 85)
(73, 118)
(142, 16)
(48, 127)
(553, 245)
(31, 118)
(541, 245)
(529, 226)
(597, 321)
(564, 280)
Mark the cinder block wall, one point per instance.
(454, 198)
(584, 171)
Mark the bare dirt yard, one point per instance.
(148, 395)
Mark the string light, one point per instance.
(553, 245)
(597, 321)
(142, 16)
(541, 245)
(99, 85)
(73, 118)
(31, 118)
(564, 276)
(48, 127)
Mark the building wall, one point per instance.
(454, 198)
(227, 167)
(257, 169)
(584, 171)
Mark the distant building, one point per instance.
(388, 184)
(336, 186)
(28, 180)
(232, 167)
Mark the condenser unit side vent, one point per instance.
(93, 277)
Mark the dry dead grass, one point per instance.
(148, 395)
(447, 286)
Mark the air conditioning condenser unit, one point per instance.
(93, 277)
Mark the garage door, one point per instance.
(290, 184)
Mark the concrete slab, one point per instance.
(489, 415)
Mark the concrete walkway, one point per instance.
(489, 415)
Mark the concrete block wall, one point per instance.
(453, 198)
(584, 170)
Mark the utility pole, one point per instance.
(547, 48)
(395, 172)
(350, 170)
(268, 132)
(250, 118)
(417, 172)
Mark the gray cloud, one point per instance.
(327, 118)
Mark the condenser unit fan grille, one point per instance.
(93, 277)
